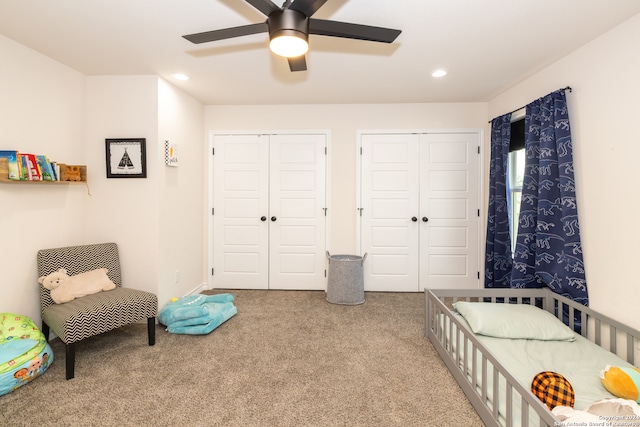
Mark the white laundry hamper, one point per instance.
(346, 279)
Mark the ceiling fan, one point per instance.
(289, 27)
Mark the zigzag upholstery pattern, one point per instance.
(97, 313)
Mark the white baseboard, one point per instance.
(197, 289)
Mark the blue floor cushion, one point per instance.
(24, 352)
(197, 314)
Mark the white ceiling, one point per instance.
(486, 45)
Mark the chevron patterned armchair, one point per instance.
(92, 314)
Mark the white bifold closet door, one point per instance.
(419, 213)
(268, 212)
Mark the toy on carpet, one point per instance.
(65, 288)
(622, 382)
(197, 314)
(24, 352)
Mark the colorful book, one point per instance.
(32, 167)
(56, 171)
(46, 172)
(12, 158)
(24, 170)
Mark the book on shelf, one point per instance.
(46, 172)
(33, 169)
(24, 171)
(12, 160)
(55, 168)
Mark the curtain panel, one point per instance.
(498, 246)
(548, 250)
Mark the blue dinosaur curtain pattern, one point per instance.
(548, 250)
(498, 247)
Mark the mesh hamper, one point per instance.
(346, 279)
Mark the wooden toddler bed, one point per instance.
(495, 372)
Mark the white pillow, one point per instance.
(519, 321)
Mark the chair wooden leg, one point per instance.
(151, 329)
(45, 331)
(71, 359)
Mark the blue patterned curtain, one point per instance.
(548, 251)
(497, 273)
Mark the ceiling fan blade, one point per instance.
(308, 7)
(264, 6)
(347, 30)
(299, 63)
(227, 33)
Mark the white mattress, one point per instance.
(579, 361)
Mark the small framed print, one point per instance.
(126, 157)
(171, 153)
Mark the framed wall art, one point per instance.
(126, 157)
(171, 153)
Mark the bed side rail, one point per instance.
(479, 374)
(602, 330)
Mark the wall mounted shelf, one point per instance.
(4, 176)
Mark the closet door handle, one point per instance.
(425, 219)
(264, 218)
(414, 219)
(273, 218)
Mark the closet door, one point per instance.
(269, 216)
(390, 208)
(419, 211)
(240, 212)
(297, 254)
(449, 187)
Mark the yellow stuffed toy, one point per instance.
(622, 382)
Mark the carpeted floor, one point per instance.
(288, 358)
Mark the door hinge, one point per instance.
(213, 151)
(212, 209)
(325, 211)
(478, 212)
(478, 149)
(478, 275)
(360, 209)
(361, 151)
(212, 271)
(325, 272)
(325, 151)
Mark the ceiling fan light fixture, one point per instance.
(289, 43)
(288, 33)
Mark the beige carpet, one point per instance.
(288, 358)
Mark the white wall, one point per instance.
(156, 221)
(603, 109)
(181, 204)
(343, 122)
(124, 210)
(42, 111)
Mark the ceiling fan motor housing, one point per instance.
(288, 22)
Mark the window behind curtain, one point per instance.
(515, 165)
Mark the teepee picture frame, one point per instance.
(126, 157)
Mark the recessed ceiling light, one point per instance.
(180, 76)
(439, 73)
